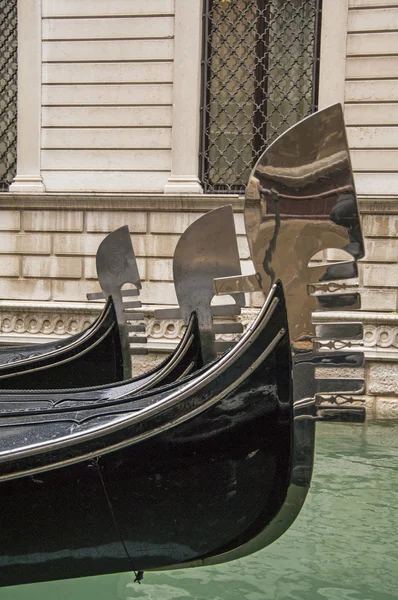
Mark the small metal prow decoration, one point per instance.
(117, 266)
(206, 250)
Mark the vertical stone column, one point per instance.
(333, 52)
(28, 178)
(186, 99)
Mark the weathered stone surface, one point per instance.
(243, 247)
(160, 269)
(380, 275)
(386, 408)
(107, 221)
(342, 372)
(335, 254)
(239, 224)
(379, 300)
(381, 250)
(143, 364)
(380, 225)
(9, 266)
(73, 243)
(25, 243)
(382, 378)
(54, 267)
(158, 292)
(53, 220)
(155, 245)
(24, 289)
(171, 222)
(72, 290)
(10, 220)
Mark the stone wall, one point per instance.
(48, 265)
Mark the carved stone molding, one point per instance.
(380, 334)
(27, 322)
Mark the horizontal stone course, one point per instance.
(171, 222)
(10, 220)
(380, 225)
(25, 243)
(160, 269)
(25, 289)
(381, 250)
(52, 267)
(10, 266)
(81, 244)
(90, 269)
(380, 275)
(72, 290)
(52, 220)
(109, 221)
(379, 300)
(159, 292)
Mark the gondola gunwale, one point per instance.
(146, 380)
(86, 345)
(172, 400)
(80, 338)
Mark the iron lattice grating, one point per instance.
(260, 69)
(8, 92)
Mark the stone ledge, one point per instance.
(378, 204)
(380, 331)
(131, 202)
(24, 322)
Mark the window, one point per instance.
(260, 69)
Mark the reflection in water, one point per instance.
(343, 545)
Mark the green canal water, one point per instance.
(343, 546)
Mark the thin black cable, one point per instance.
(138, 574)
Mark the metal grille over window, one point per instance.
(8, 92)
(259, 77)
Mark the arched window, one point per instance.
(260, 68)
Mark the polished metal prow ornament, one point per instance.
(301, 200)
(117, 266)
(206, 250)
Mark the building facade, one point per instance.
(142, 113)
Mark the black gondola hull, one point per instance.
(206, 485)
(94, 358)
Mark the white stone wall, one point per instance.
(371, 95)
(111, 121)
(106, 95)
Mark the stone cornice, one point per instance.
(148, 202)
(382, 204)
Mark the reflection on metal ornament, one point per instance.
(117, 266)
(301, 200)
(206, 250)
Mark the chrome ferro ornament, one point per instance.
(301, 200)
(206, 250)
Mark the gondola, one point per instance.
(190, 474)
(97, 355)
(201, 471)
(116, 265)
(185, 359)
(101, 495)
